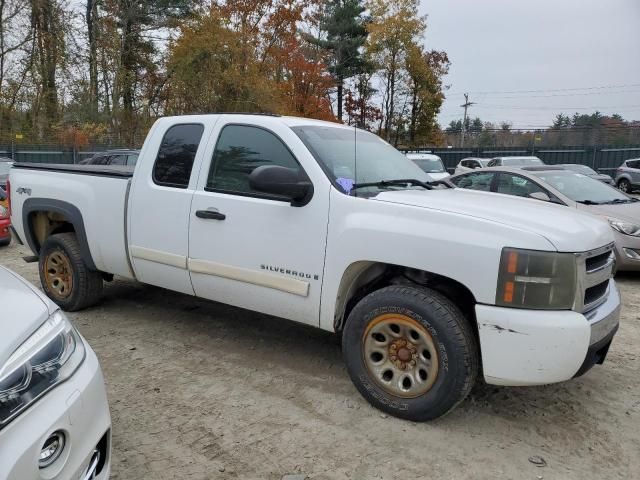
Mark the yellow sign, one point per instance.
(19, 136)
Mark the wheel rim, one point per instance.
(400, 355)
(624, 186)
(58, 274)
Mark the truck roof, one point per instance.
(287, 120)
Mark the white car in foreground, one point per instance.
(54, 416)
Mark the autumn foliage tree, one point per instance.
(104, 70)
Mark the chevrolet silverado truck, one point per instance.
(330, 226)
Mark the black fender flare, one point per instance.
(70, 212)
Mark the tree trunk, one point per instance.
(92, 30)
(43, 18)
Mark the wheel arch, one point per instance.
(43, 217)
(364, 277)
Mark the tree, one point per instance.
(344, 25)
(425, 71)
(394, 30)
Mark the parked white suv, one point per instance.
(471, 163)
(430, 164)
(54, 416)
(326, 225)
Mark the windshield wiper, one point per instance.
(588, 202)
(620, 200)
(394, 183)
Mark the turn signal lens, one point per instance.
(536, 280)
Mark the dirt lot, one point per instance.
(199, 390)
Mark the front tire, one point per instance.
(64, 275)
(624, 186)
(410, 352)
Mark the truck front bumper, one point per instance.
(78, 408)
(536, 347)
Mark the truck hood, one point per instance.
(23, 310)
(567, 229)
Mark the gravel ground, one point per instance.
(200, 390)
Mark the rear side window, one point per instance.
(239, 151)
(633, 163)
(176, 154)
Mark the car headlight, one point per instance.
(48, 357)
(536, 280)
(3, 212)
(624, 227)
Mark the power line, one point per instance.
(516, 107)
(602, 87)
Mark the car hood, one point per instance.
(628, 212)
(24, 309)
(602, 177)
(567, 229)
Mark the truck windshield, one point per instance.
(351, 156)
(583, 189)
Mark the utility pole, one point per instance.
(466, 105)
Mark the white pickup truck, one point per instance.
(331, 226)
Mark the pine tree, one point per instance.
(345, 27)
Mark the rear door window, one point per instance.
(176, 155)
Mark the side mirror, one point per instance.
(282, 181)
(540, 196)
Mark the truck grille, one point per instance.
(595, 269)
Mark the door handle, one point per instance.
(210, 215)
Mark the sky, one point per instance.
(524, 62)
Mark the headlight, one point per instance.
(624, 227)
(48, 357)
(3, 212)
(536, 280)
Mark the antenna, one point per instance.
(355, 158)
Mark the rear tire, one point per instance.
(624, 185)
(64, 275)
(410, 352)
(5, 242)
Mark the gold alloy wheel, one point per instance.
(400, 355)
(58, 274)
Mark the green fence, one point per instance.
(602, 158)
(50, 153)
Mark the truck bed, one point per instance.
(93, 196)
(123, 171)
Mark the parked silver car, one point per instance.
(565, 187)
(628, 175)
(589, 172)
